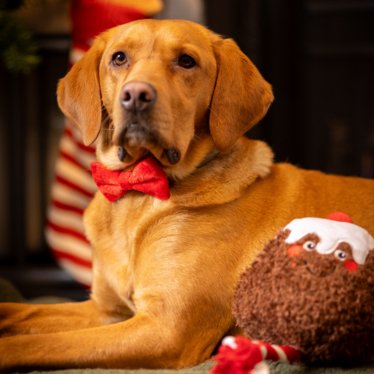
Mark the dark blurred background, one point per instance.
(317, 54)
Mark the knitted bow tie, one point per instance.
(146, 177)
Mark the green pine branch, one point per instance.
(17, 45)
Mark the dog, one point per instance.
(165, 269)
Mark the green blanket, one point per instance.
(9, 293)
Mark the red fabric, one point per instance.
(73, 186)
(91, 17)
(146, 177)
(340, 217)
(63, 255)
(239, 360)
(243, 356)
(292, 353)
(67, 207)
(351, 265)
(271, 352)
(68, 133)
(67, 230)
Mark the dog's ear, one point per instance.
(241, 96)
(78, 93)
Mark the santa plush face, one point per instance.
(324, 245)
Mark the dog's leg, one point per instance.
(20, 319)
(138, 342)
(141, 341)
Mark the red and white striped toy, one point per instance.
(240, 355)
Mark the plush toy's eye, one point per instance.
(119, 58)
(186, 61)
(340, 255)
(309, 245)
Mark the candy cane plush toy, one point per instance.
(239, 355)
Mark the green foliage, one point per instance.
(18, 49)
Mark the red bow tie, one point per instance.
(146, 177)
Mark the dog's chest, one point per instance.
(116, 231)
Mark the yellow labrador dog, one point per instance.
(165, 267)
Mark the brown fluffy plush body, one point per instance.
(328, 314)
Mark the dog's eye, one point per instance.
(119, 58)
(186, 61)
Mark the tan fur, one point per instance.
(165, 271)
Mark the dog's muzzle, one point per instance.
(137, 99)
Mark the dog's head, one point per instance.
(170, 88)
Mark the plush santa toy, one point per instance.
(311, 289)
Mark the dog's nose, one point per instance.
(138, 96)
